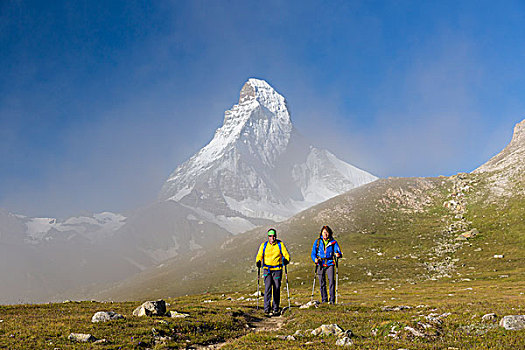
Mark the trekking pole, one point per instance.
(336, 277)
(287, 288)
(313, 286)
(258, 279)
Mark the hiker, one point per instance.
(324, 251)
(272, 256)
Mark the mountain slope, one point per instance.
(403, 230)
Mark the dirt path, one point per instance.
(264, 324)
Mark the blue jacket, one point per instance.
(327, 252)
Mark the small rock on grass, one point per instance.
(513, 322)
(81, 338)
(285, 337)
(151, 308)
(175, 314)
(395, 308)
(489, 317)
(313, 303)
(345, 341)
(104, 316)
(328, 329)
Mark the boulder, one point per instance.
(345, 341)
(151, 308)
(81, 338)
(104, 316)
(328, 329)
(513, 322)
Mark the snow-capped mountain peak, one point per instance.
(257, 166)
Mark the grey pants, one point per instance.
(272, 281)
(330, 272)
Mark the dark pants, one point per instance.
(272, 281)
(330, 272)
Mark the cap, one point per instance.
(272, 232)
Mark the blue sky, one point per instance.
(100, 101)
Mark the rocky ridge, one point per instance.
(505, 170)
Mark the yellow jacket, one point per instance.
(272, 255)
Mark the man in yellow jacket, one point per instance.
(272, 256)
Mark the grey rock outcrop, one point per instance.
(151, 308)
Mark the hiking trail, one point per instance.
(263, 324)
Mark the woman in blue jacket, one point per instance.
(324, 251)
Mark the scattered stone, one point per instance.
(499, 256)
(285, 337)
(151, 308)
(259, 293)
(104, 316)
(467, 235)
(513, 322)
(101, 341)
(415, 332)
(313, 303)
(489, 317)
(328, 329)
(298, 333)
(395, 308)
(345, 341)
(81, 338)
(175, 314)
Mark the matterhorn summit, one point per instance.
(257, 168)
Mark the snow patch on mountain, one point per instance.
(91, 227)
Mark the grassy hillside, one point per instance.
(395, 230)
(399, 238)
